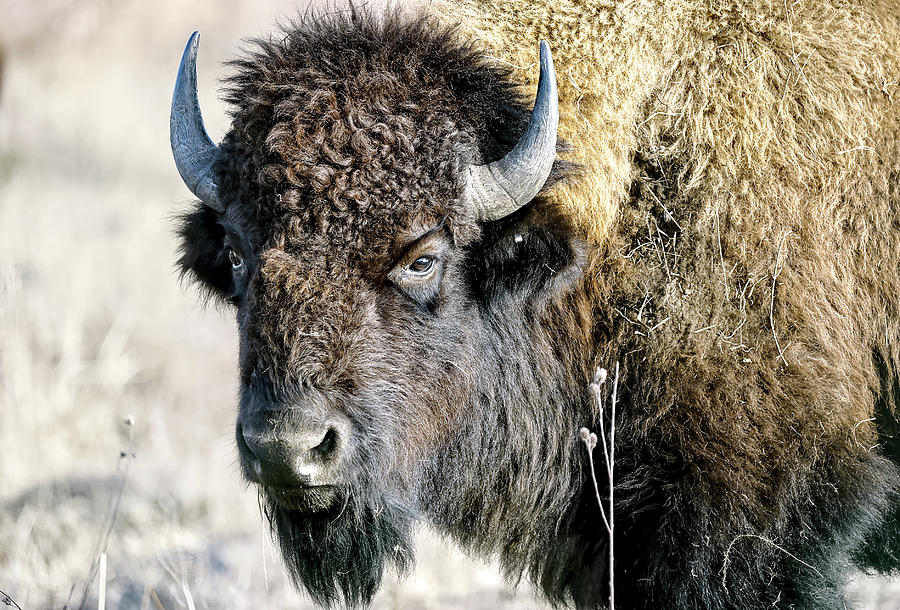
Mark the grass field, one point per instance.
(95, 328)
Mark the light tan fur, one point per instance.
(781, 122)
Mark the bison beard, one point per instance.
(340, 558)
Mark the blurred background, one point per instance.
(117, 385)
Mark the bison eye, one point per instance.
(235, 258)
(419, 279)
(422, 265)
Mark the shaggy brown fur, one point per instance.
(732, 238)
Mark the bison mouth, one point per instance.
(309, 500)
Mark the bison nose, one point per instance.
(285, 455)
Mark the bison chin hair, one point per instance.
(339, 556)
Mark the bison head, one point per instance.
(364, 216)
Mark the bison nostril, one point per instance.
(282, 452)
(328, 444)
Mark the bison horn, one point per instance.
(192, 147)
(500, 188)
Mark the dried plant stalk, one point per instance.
(590, 440)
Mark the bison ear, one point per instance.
(202, 252)
(532, 255)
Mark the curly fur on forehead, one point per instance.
(353, 125)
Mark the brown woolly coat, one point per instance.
(742, 181)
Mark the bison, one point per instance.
(426, 274)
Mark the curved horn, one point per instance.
(502, 187)
(192, 148)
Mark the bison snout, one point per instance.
(282, 454)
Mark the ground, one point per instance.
(95, 329)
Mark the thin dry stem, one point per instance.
(145, 599)
(8, 601)
(767, 541)
(156, 601)
(100, 554)
(590, 451)
(612, 463)
(777, 270)
(101, 598)
(609, 458)
(265, 570)
(187, 595)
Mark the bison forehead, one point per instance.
(357, 128)
(353, 151)
(357, 159)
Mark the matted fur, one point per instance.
(732, 239)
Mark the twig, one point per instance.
(609, 457)
(643, 304)
(8, 601)
(101, 598)
(660, 251)
(853, 431)
(156, 601)
(753, 62)
(265, 571)
(178, 575)
(806, 80)
(787, 13)
(510, 64)
(100, 553)
(767, 541)
(775, 273)
(855, 148)
(590, 441)
(658, 324)
(187, 595)
(612, 462)
(633, 250)
(656, 114)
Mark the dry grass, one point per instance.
(94, 327)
